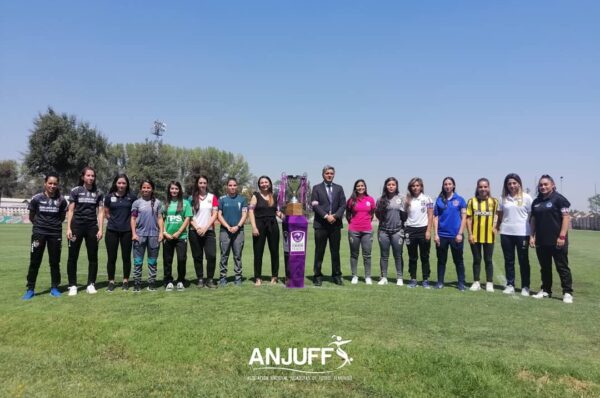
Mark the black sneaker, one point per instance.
(137, 287)
(125, 285)
(151, 287)
(201, 283)
(211, 284)
(111, 287)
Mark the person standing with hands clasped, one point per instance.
(359, 213)
(177, 213)
(549, 226)
(329, 203)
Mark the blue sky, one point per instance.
(378, 89)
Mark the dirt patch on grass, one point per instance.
(576, 384)
(572, 383)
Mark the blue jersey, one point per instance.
(232, 208)
(449, 215)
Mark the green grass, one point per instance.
(405, 342)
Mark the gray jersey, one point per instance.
(390, 217)
(146, 216)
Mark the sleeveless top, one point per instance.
(262, 208)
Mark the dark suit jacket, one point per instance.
(320, 205)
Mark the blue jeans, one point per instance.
(457, 256)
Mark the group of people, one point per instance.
(141, 224)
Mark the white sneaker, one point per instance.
(354, 280)
(525, 292)
(489, 287)
(540, 295)
(568, 298)
(382, 281)
(73, 290)
(169, 287)
(475, 287)
(399, 282)
(91, 289)
(180, 286)
(368, 280)
(509, 290)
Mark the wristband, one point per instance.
(562, 237)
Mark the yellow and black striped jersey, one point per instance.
(482, 212)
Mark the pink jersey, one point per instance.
(362, 213)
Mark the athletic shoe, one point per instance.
(354, 280)
(509, 290)
(210, 283)
(475, 287)
(54, 292)
(180, 287)
(125, 285)
(412, 284)
(461, 287)
(568, 298)
(426, 284)
(489, 287)
(238, 282)
(111, 287)
(525, 291)
(201, 283)
(169, 287)
(28, 294)
(151, 287)
(439, 285)
(73, 290)
(383, 281)
(91, 289)
(400, 282)
(137, 287)
(368, 280)
(540, 295)
(222, 282)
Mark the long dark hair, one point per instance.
(482, 179)
(113, 187)
(546, 177)
(384, 201)
(511, 176)
(353, 198)
(443, 193)
(53, 175)
(196, 192)
(82, 183)
(271, 200)
(152, 197)
(179, 196)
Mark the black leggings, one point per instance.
(201, 245)
(268, 230)
(38, 244)
(169, 248)
(91, 243)
(113, 239)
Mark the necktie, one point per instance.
(330, 195)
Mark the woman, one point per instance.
(177, 214)
(360, 209)
(419, 208)
(147, 233)
(513, 224)
(47, 212)
(202, 234)
(117, 210)
(390, 211)
(481, 210)
(448, 225)
(549, 226)
(84, 221)
(262, 212)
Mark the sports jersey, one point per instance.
(86, 205)
(49, 214)
(449, 215)
(482, 213)
(362, 212)
(119, 208)
(515, 215)
(417, 211)
(174, 220)
(232, 208)
(391, 219)
(205, 208)
(145, 213)
(548, 213)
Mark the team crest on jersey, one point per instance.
(398, 200)
(455, 203)
(549, 204)
(368, 204)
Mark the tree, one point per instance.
(151, 160)
(594, 203)
(218, 166)
(8, 177)
(64, 145)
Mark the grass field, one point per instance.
(405, 342)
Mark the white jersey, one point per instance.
(417, 211)
(515, 215)
(205, 209)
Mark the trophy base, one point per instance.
(294, 209)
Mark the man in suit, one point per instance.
(328, 202)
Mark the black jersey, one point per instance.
(548, 213)
(86, 204)
(120, 211)
(49, 214)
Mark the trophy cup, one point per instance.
(293, 184)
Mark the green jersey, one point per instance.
(174, 220)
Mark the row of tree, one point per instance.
(62, 144)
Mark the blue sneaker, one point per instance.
(412, 284)
(28, 294)
(238, 282)
(426, 284)
(439, 285)
(461, 287)
(222, 282)
(54, 292)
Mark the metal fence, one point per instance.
(590, 223)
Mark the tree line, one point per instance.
(62, 144)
